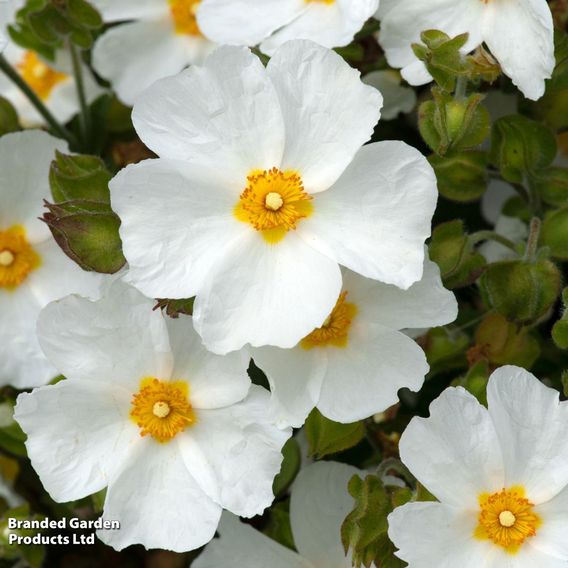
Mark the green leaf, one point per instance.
(8, 117)
(278, 527)
(328, 437)
(554, 233)
(290, 467)
(176, 308)
(12, 437)
(83, 14)
(552, 185)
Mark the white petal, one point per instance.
(521, 36)
(214, 381)
(158, 503)
(57, 276)
(454, 453)
(513, 229)
(116, 339)
(113, 11)
(375, 219)
(245, 22)
(25, 158)
(234, 454)
(493, 200)
(5, 16)
(551, 535)
(403, 24)
(397, 99)
(266, 294)
(425, 304)
(171, 234)
(295, 377)
(531, 425)
(432, 535)
(23, 363)
(330, 25)
(224, 116)
(318, 506)
(323, 132)
(134, 56)
(364, 377)
(79, 433)
(241, 545)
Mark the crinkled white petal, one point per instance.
(425, 304)
(241, 545)
(25, 158)
(265, 294)
(432, 535)
(158, 503)
(79, 434)
(118, 339)
(530, 422)
(318, 506)
(364, 377)
(234, 453)
(551, 535)
(116, 11)
(455, 452)
(520, 35)
(135, 55)
(323, 132)
(295, 377)
(214, 381)
(376, 217)
(176, 223)
(223, 116)
(245, 22)
(397, 99)
(402, 25)
(330, 25)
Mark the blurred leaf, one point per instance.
(290, 467)
(8, 117)
(552, 185)
(554, 233)
(278, 527)
(176, 308)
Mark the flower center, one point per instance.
(507, 518)
(335, 329)
(273, 203)
(321, 1)
(38, 75)
(17, 257)
(184, 13)
(162, 408)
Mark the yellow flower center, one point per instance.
(321, 1)
(38, 75)
(335, 329)
(17, 257)
(273, 203)
(162, 408)
(507, 518)
(184, 13)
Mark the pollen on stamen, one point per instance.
(17, 258)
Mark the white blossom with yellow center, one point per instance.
(33, 269)
(319, 503)
(354, 364)
(500, 475)
(262, 189)
(175, 433)
(159, 39)
(271, 23)
(519, 34)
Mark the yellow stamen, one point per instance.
(162, 408)
(184, 13)
(38, 75)
(321, 1)
(507, 518)
(335, 329)
(273, 203)
(17, 257)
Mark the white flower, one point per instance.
(262, 189)
(519, 34)
(501, 476)
(5, 15)
(397, 99)
(511, 228)
(353, 366)
(160, 38)
(174, 432)
(270, 23)
(318, 506)
(33, 269)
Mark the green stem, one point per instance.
(57, 127)
(492, 236)
(85, 115)
(461, 87)
(532, 242)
